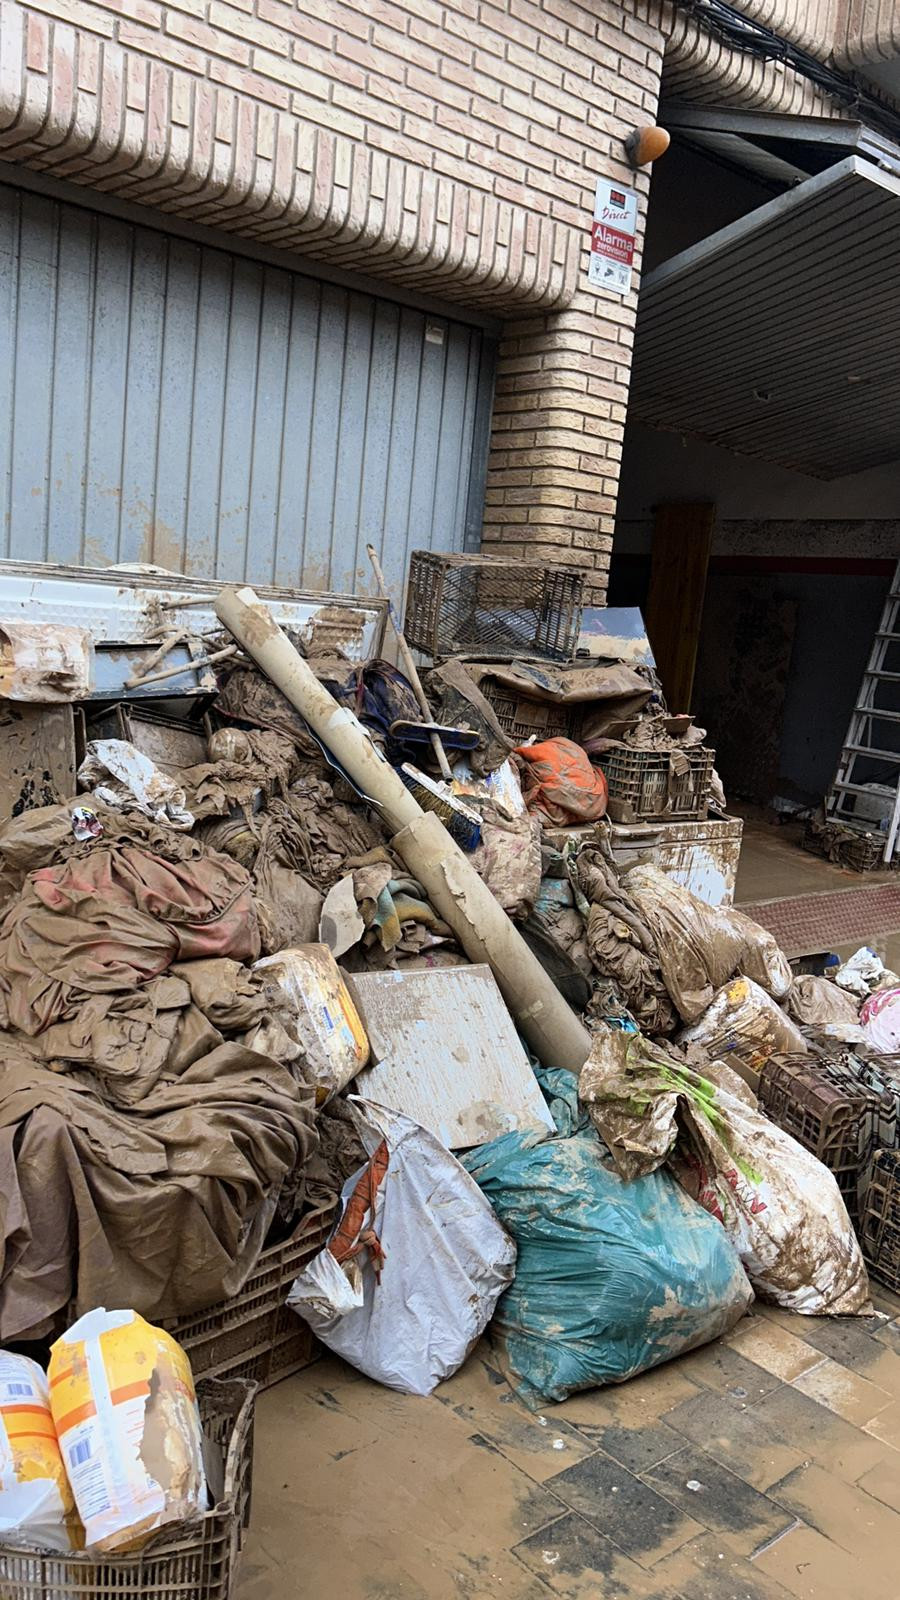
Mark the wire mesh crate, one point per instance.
(458, 605)
(825, 1106)
(880, 1228)
(186, 1561)
(645, 785)
(254, 1335)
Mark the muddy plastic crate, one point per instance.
(254, 1335)
(825, 1107)
(860, 850)
(490, 607)
(521, 716)
(644, 786)
(879, 1233)
(186, 1561)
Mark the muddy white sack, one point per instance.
(781, 1207)
(446, 1261)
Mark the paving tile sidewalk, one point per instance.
(763, 1467)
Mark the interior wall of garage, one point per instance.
(828, 548)
(170, 402)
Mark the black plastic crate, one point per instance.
(880, 1230)
(254, 1335)
(195, 1560)
(827, 1109)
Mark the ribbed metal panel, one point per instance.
(779, 336)
(167, 402)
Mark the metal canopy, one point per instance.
(779, 336)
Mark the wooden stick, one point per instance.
(187, 666)
(143, 667)
(409, 664)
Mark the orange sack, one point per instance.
(561, 783)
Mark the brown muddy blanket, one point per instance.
(163, 1208)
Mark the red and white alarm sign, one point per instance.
(612, 237)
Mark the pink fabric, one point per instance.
(880, 1017)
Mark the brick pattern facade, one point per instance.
(451, 146)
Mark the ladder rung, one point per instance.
(867, 750)
(852, 788)
(884, 634)
(883, 677)
(875, 711)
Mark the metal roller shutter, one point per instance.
(167, 401)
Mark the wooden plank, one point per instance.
(682, 537)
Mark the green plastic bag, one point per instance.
(612, 1277)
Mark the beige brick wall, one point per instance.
(453, 147)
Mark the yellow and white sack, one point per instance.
(36, 1505)
(313, 1019)
(126, 1417)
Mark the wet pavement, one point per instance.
(763, 1467)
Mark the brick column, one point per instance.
(563, 377)
(556, 440)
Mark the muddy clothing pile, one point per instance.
(163, 1207)
(130, 1109)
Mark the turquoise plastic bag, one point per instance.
(612, 1277)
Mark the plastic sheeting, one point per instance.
(779, 1205)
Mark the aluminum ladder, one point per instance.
(875, 723)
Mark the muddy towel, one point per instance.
(699, 947)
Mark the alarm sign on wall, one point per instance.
(612, 237)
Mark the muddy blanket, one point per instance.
(163, 1208)
(108, 920)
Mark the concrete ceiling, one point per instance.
(779, 336)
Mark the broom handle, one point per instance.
(408, 663)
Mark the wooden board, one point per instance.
(682, 536)
(445, 1052)
(743, 667)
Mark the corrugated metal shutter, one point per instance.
(165, 401)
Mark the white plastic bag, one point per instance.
(125, 779)
(126, 1417)
(864, 972)
(423, 1260)
(36, 1504)
(781, 1207)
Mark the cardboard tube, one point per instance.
(486, 933)
(448, 878)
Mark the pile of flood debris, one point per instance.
(300, 936)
